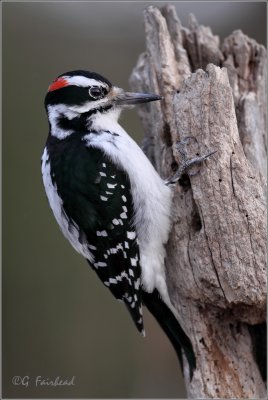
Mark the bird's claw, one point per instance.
(183, 168)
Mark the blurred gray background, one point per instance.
(58, 319)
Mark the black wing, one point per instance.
(96, 197)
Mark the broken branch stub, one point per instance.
(246, 63)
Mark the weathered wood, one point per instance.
(246, 64)
(216, 254)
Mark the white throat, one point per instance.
(106, 120)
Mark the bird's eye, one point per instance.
(96, 92)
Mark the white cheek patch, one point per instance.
(54, 113)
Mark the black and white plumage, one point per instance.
(106, 196)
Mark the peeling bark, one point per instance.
(216, 254)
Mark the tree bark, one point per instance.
(216, 253)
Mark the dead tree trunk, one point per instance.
(216, 253)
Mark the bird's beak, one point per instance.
(129, 98)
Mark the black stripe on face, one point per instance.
(69, 95)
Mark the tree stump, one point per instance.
(214, 95)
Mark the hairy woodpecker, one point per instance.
(107, 198)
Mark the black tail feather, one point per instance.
(171, 327)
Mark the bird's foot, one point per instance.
(187, 163)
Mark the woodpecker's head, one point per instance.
(77, 96)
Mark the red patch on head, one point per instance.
(58, 84)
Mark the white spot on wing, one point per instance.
(137, 284)
(133, 262)
(111, 185)
(101, 233)
(101, 264)
(131, 235)
(116, 249)
(121, 276)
